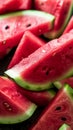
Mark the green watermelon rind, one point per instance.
(33, 86)
(64, 127)
(44, 15)
(20, 117)
(55, 34)
(29, 86)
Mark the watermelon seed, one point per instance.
(46, 70)
(28, 25)
(58, 108)
(70, 47)
(63, 119)
(6, 27)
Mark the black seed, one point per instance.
(6, 27)
(47, 72)
(28, 25)
(58, 108)
(63, 118)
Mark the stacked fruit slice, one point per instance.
(38, 72)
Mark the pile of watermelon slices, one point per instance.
(36, 61)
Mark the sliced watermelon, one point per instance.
(14, 5)
(13, 26)
(69, 26)
(40, 98)
(65, 127)
(14, 106)
(52, 61)
(61, 9)
(28, 44)
(58, 112)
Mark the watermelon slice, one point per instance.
(65, 127)
(14, 5)
(61, 9)
(58, 112)
(51, 62)
(28, 44)
(14, 107)
(42, 98)
(69, 26)
(13, 26)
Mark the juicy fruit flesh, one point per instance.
(60, 9)
(28, 44)
(42, 70)
(13, 26)
(14, 106)
(58, 30)
(12, 5)
(60, 111)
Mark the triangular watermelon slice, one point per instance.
(13, 26)
(58, 112)
(61, 9)
(14, 106)
(52, 61)
(28, 44)
(14, 5)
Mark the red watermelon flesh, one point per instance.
(62, 10)
(28, 44)
(52, 61)
(14, 106)
(14, 5)
(13, 26)
(42, 98)
(69, 26)
(58, 112)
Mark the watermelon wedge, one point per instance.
(14, 106)
(14, 5)
(42, 98)
(58, 112)
(28, 44)
(53, 61)
(61, 9)
(13, 26)
(65, 127)
(69, 26)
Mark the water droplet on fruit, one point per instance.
(43, 51)
(4, 42)
(7, 106)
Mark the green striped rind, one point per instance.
(36, 13)
(34, 86)
(65, 127)
(29, 86)
(69, 91)
(18, 118)
(55, 34)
